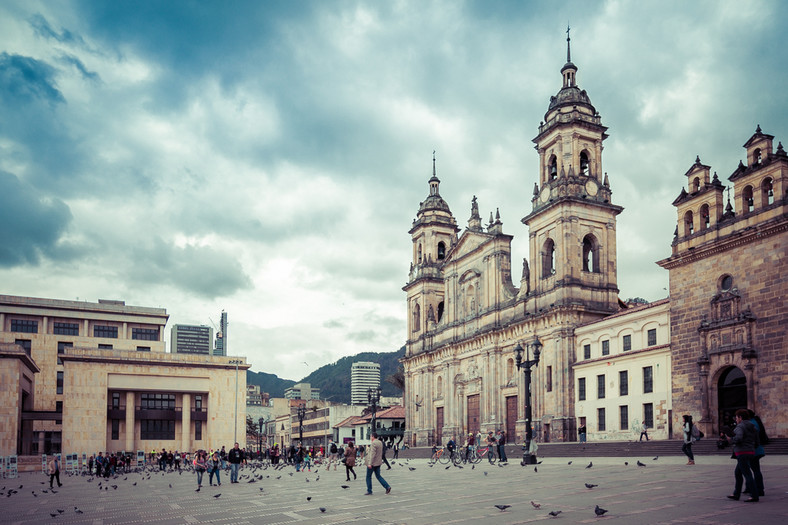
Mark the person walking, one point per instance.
(643, 431)
(687, 447)
(396, 450)
(235, 456)
(350, 461)
(200, 467)
(581, 433)
(374, 459)
(759, 453)
(54, 471)
(501, 440)
(744, 440)
(213, 465)
(332, 456)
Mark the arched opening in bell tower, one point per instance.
(548, 258)
(552, 168)
(441, 250)
(584, 164)
(590, 254)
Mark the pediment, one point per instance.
(469, 242)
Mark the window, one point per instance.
(105, 331)
(441, 250)
(549, 378)
(623, 417)
(584, 163)
(648, 415)
(704, 217)
(26, 326)
(553, 168)
(198, 430)
(590, 254)
(157, 401)
(26, 344)
(61, 349)
(600, 386)
(581, 389)
(648, 379)
(66, 329)
(548, 258)
(768, 192)
(198, 403)
(116, 400)
(600, 419)
(105, 347)
(59, 383)
(605, 347)
(689, 228)
(627, 342)
(143, 349)
(157, 429)
(652, 336)
(145, 334)
(115, 429)
(623, 383)
(59, 407)
(748, 201)
(726, 283)
(586, 351)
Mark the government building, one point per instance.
(716, 344)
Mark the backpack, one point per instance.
(696, 433)
(762, 437)
(333, 448)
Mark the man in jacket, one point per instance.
(745, 441)
(54, 471)
(374, 459)
(234, 457)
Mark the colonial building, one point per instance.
(728, 290)
(465, 315)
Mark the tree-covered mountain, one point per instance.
(333, 380)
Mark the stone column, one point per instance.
(186, 423)
(130, 423)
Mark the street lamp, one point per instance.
(528, 458)
(236, 362)
(373, 396)
(262, 421)
(301, 412)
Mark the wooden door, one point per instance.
(473, 414)
(439, 426)
(511, 419)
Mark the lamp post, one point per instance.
(373, 396)
(301, 412)
(236, 362)
(528, 458)
(261, 422)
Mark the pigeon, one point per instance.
(448, 467)
(134, 484)
(322, 509)
(641, 464)
(309, 498)
(217, 495)
(539, 462)
(261, 489)
(502, 507)
(54, 515)
(626, 463)
(170, 485)
(655, 458)
(599, 510)
(411, 468)
(535, 470)
(345, 486)
(569, 463)
(590, 464)
(198, 489)
(78, 511)
(536, 505)
(60, 511)
(554, 513)
(485, 472)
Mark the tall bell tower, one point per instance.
(572, 225)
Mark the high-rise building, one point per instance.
(220, 348)
(363, 376)
(190, 339)
(302, 391)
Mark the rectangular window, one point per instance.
(648, 379)
(600, 419)
(61, 349)
(198, 402)
(143, 349)
(627, 343)
(145, 334)
(623, 416)
(581, 389)
(25, 326)
(600, 386)
(652, 337)
(26, 344)
(648, 415)
(110, 332)
(105, 347)
(115, 429)
(59, 407)
(549, 378)
(115, 399)
(623, 383)
(605, 347)
(157, 401)
(66, 329)
(198, 430)
(59, 383)
(157, 429)
(586, 351)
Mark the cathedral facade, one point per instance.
(465, 314)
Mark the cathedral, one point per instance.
(725, 341)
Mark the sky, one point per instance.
(268, 158)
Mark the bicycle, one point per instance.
(480, 453)
(440, 457)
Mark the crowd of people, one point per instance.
(495, 441)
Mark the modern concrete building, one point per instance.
(221, 343)
(302, 391)
(191, 339)
(364, 375)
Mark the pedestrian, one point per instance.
(332, 456)
(54, 471)
(643, 431)
(385, 447)
(99, 464)
(374, 459)
(298, 457)
(200, 467)
(759, 453)
(213, 466)
(350, 461)
(235, 457)
(223, 458)
(90, 464)
(396, 450)
(177, 460)
(501, 441)
(688, 439)
(469, 445)
(581, 433)
(744, 440)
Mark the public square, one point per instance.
(664, 491)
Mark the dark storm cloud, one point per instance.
(25, 80)
(199, 270)
(32, 224)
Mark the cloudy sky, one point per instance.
(268, 158)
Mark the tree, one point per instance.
(251, 427)
(397, 379)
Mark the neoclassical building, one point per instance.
(729, 291)
(465, 314)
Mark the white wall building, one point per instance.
(363, 376)
(622, 374)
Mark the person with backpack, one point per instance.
(755, 462)
(744, 440)
(688, 439)
(332, 456)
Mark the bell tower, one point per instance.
(572, 225)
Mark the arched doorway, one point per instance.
(731, 395)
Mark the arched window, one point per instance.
(689, 227)
(583, 164)
(767, 192)
(695, 184)
(441, 250)
(548, 258)
(419, 259)
(590, 254)
(552, 168)
(756, 156)
(749, 202)
(704, 217)
(440, 311)
(416, 317)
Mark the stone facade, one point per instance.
(728, 289)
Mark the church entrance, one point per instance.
(439, 426)
(473, 414)
(731, 395)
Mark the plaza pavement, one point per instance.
(665, 491)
